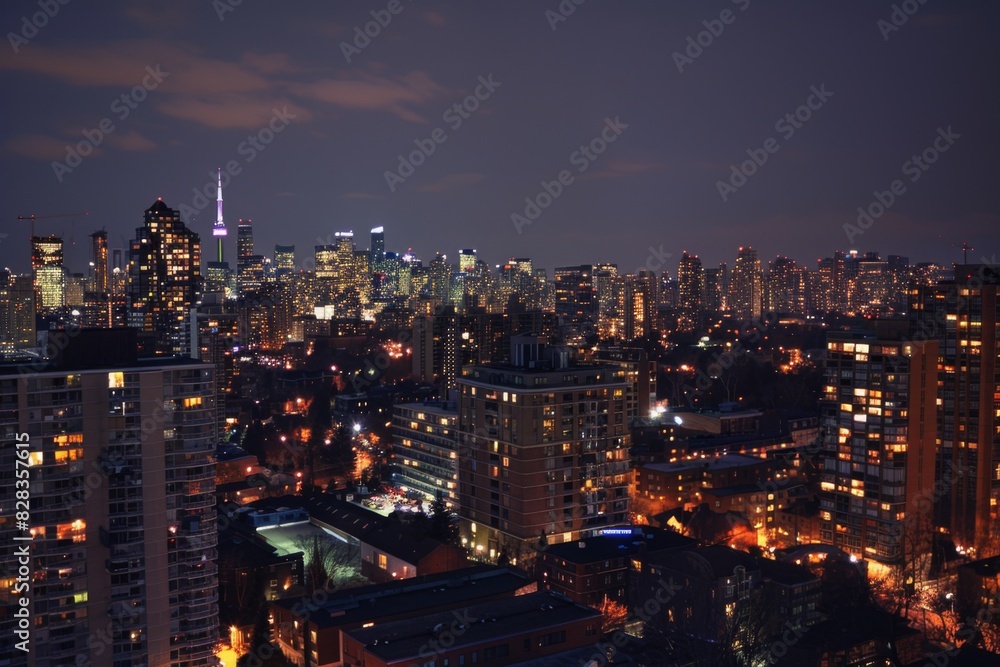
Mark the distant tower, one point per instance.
(219, 229)
(100, 249)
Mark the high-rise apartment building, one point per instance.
(879, 419)
(425, 451)
(690, 291)
(576, 298)
(164, 280)
(122, 478)
(746, 287)
(543, 451)
(641, 304)
(783, 283)
(964, 314)
(17, 312)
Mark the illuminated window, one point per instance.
(383, 562)
(116, 380)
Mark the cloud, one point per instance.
(358, 195)
(224, 94)
(451, 182)
(375, 93)
(38, 147)
(249, 112)
(130, 141)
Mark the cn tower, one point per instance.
(219, 228)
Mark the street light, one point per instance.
(950, 597)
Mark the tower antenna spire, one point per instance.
(219, 228)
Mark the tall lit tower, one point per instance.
(219, 229)
(100, 248)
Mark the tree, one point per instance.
(441, 526)
(613, 615)
(329, 562)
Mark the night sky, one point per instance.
(676, 117)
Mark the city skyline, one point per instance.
(195, 88)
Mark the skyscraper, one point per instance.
(50, 278)
(164, 279)
(575, 295)
(284, 263)
(17, 312)
(122, 475)
(641, 302)
(249, 266)
(746, 298)
(100, 259)
(690, 291)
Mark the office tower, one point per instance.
(244, 238)
(467, 260)
(690, 291)
(378, 245)
(514, 279)
(377, 260)
(17, 312)
(963, 313)
(575, 295)
(100, 260)
(284, 263)
(164, 280)
(122, 478)
(879, 419)
(544, 451)
(325, 261)
(249, 266)
(76, 289)
(359, 282)
(641, 300)
(746, 298)
(50, 279)
(425, 449)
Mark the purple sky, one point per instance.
(655, 185)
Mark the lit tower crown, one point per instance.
(219, 229)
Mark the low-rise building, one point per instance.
(313, 626)
(501, 632)
(589, 570)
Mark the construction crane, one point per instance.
(34, 217)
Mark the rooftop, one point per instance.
(714, 463)
(594, 549)
(412, 596)
(487, 622)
